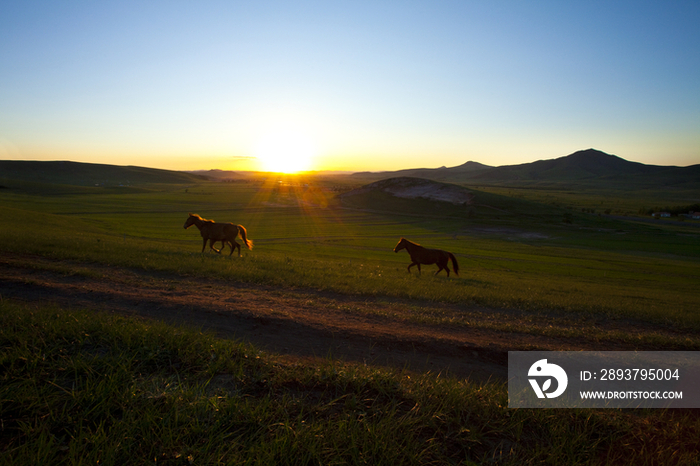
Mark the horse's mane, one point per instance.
(202, 219)
(408, 241)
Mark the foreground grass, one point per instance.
(85, 388)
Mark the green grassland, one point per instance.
(83, 388)
(513, 252)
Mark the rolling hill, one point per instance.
(406, 187)
(434, 199)
(587, 167)
(88, 174)
(466, 169)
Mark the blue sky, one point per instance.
(358, 85)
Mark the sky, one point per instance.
(348, 85)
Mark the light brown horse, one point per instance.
(420, 255)
(224, 232)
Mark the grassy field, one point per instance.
(86, 388)
(522, 255)
(78, 387)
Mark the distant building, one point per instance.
(694, 215)
(661, 214)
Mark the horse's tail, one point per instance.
(244, 237)
(455, 265)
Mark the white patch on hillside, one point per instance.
(419, 188)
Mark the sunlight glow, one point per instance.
(285, 151)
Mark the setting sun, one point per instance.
(285, 151)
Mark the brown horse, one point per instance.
(420, 255)
(224, 232)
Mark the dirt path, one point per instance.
(297, 324)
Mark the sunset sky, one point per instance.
(356, 85)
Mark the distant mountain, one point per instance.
(216, 174)
(439, 174)
(586, 167)
(593, 167)
(88, 174)
(580, 165)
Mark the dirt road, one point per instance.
(297, 324)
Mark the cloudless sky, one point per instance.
(360, 85)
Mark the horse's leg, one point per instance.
(204, 244)
(211, 246)
(230, 245)
(414, 261)
(442, 265)
(235, 245)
